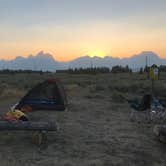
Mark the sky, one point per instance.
(72, 28)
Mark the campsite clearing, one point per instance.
(95, 131)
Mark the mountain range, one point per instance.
(46, 62)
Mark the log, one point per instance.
(27, 125)
(160, 132)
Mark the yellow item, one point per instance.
(17, 114)
(153, 73)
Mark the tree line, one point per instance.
(97, 70)
(9, 71)
(94, 70)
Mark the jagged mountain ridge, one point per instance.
(46, 62)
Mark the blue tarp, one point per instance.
(137, 104)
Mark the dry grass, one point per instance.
(121, 84)
(118, 97)
(95, 131)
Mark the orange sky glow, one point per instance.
(63, 56)
(67, 32)
(97, 39)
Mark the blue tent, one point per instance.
(48, 95)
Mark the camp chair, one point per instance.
(156, 111)
(163, 102)
(140, 107)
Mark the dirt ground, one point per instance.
(94, 131)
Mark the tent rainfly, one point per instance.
(48, 95)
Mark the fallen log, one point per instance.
(160, 132)
(27, 125)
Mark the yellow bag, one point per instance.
(16, 115)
